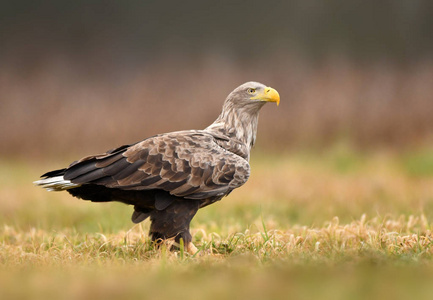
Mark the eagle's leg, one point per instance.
(173, 222)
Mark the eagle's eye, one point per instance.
(251, 91)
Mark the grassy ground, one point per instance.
(332, 225)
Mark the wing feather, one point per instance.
(101, 163)
(90, 176)
(187, 164)
(79, 170)
(129, 170)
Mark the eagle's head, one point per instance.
(240, 114)
(252, 95)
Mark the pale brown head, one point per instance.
(239, 117)
(252, 95)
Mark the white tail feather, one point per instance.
(57, 183)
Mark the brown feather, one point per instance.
(162, 174)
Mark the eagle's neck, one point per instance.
(239, 125)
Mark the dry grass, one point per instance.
(336, 225)
(373, 239)
(303, 261)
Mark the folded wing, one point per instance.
(187, 164)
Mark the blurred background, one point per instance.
(83, 76)
(351, 142)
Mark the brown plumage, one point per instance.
(168, 177)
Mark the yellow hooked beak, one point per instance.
(269, 95)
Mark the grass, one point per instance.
(332, 225)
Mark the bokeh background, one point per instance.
(340, 200)
(83, 76)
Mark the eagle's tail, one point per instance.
(54, 181)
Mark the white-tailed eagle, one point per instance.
(168, 177)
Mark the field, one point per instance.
(337, 224)
(339, 204)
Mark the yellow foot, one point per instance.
(191, 248)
